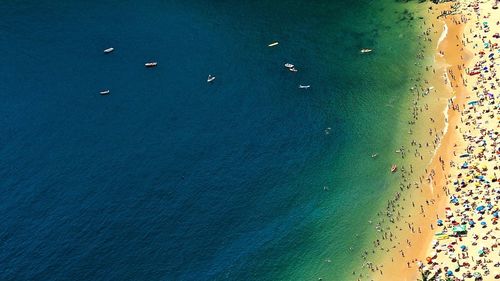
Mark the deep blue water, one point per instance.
(171, 178)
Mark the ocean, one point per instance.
(172, 178)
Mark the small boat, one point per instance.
(104, 92)
(366, 50)
(304, 86)
(394, 168)
(109, 50)
(273, 44)
(151, 64)
(374, 155)
(210, 78)
(293, 69)
(289, 65)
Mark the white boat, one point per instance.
(104, 92)
(304, 86)
(210, 78)
(151, 64)
(366, 50)
(273, 44)
(289, 65)
(109, 50)
(293, 69)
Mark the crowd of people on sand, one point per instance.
(466, 235)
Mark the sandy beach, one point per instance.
(465, 242)
(445, 225)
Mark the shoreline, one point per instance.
(410, 246)
(443, 35)
(447, 256)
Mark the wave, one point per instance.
(443, 35)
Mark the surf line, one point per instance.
(442, 36)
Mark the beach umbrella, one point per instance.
(449, 273)
(480, 208)
(463, 247)
(477, 274)
(483, 223)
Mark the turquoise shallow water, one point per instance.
(169, 178)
